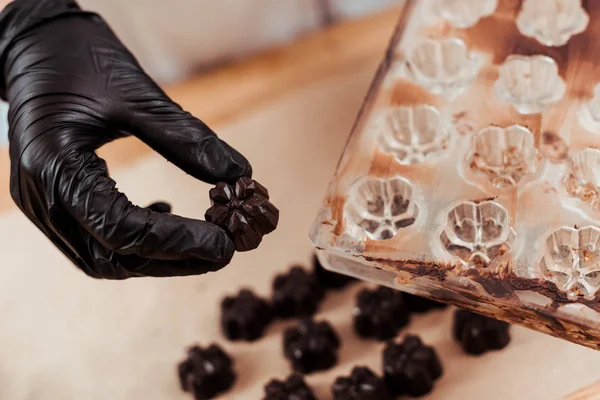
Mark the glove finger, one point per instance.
(182, 139)
(91, 197)
(108, 264)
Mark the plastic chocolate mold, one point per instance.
(471, 176)
(552, 22)
(477, 233)
(412, 135)
(583, 181)
(442, 66)
(379, 208)
(572, 260)
(529, 83)
(504, 155)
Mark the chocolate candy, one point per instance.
(206, 372)
(311, 346)
(330, 279)
(478, 334)
(245, 316)
(410, 367)
(296, 293)
(293, 388)
(418, 304)
(160, 207)
(380, 313)
(362, 384)
(244, 211)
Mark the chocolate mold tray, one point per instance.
(472, 175)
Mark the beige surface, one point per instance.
(65, 336)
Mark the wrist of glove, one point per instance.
(72, 87)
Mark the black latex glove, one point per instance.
(72, 86)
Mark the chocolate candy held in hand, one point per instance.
(362, 384)
(244, 211)
(418, 304)
(380, 313)
(160, 207)
(245, 316)
(293, 388)
(311, 346)
(478, 334)
(410, 367)
(296, 293)
(330, 279)
(206, 372)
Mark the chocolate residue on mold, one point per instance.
(336, 204)
(406, 93)
(554, 148)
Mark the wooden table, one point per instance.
(65, 336)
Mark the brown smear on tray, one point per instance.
(501, 301)
(554, 148)
(336, 204)
(407, 93)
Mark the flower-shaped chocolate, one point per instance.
(463, 13)
(311, 346)
(206, 372)
(443, 66)
(293, 388)
(380, 313)
(572, 260)
(244, 211)
(410, 367)
(379, 208)
(552, 22)
(245, 316)
(478, 334)
(412, 135)
(504, 155)
(477, 233)
(583, 180)
(362, 384)
(529, 83)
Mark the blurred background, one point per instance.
(193, 36)
(282, 81)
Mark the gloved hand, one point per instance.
(72, 86)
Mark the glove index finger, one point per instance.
(92, 198)
(183, 139)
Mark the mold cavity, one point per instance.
(381, 207)
(412, 135)
(529, 83)
(571, 260)
(583, 180)
(443, 66)
(464, 13)
(477, 233)
(503, 155)
(552, 22)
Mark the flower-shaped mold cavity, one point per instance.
(412, 135)
(379, 208)
(583, 181)
(464, 13)
(552, 22)
(477, 233)
(503, 155)
(529, 83)
(443, 66)
(589, 114)
(572, 260)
